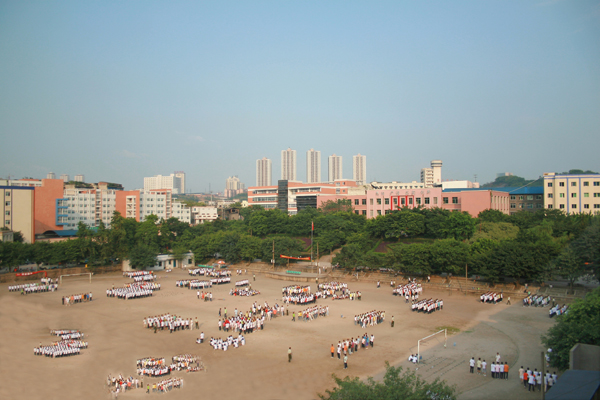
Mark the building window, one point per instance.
(529, 197)
(455, 200)
(538, 197)
(520, 205)
(596, 205)
(549, 205)
(596, 194)
(573, 195)
(7, 222)
(513, 205)
(586, 206)
(435, 199)
(586, 183)
(387, 201)
(364, 202)
(356, 212)
(378, 212)
(529, 205)
(549, 184)
(387, 212)
(7, 203)
(596, 183)
(538, 205)
(426, 200)
(550, 195)
(521, 197)
(364, 212)
(7, 213)
(379, 201)
(371, 201)
(513, 197)
(8, 193)
(444, 200)
(355, 202)
(573, 183)
(561, 184)
(403, 201)
(586, 195)
(418, 201)
(573, 205)
(561, 195)
(371, 213)
(561, 206)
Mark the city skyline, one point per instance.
(119, 91)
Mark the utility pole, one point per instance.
(273, 260)
(542, 372)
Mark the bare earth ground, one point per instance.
(116, 335)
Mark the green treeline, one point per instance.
(529, 246)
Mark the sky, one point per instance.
(120, 90)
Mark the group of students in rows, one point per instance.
(134, 274)
(330, 288)
(193, 284)
(534, 379)
(370, 318)
(224, 344)
(187, 362)
(133, 290)
(244, 282)
(154, 366)
(349, 346)
(410, 291)
(68, 346)
(558, 310)
(346, 294)
(244, 292)
(119, 384)
(27, 288)
(298, 295)
(76, 298)
(171, 322)
(311, 313)
(242, 323)
(536, 300)
(428, 306)
(210, 272)
(491, 297)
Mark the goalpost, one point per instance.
(83, 273)
(427, 337)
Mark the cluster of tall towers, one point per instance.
(313, 168)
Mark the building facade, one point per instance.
(18, 210)
(335, 168)
(233, 187)
(263, 172)
(359, 169)
(432, 176)
(204, 214)
(79, 178)
(313, 166)
(572, 193)
(173, 182)
(288, 165)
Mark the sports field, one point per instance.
(117, 338)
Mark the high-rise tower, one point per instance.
(263, 172)
(313, 166)
(359, 169)
(335, 168)
(288, 164)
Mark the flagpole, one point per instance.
(312, 229)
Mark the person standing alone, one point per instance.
(290, 354)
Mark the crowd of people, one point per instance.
(205, 296)
(410, 291)
(167, 384)
(171, 322)
(224, 344)
(76, 298)
(210, 272)
(193, 284)
(298, 295)
(152, 366)
(347, 295)
(220, 281)
(119, 384)
(536, 300)
(534, 379)
(187, 362)
(243, 292)
(133, 290)
(370, 318)
(491, 297)
(311, 313)
(68, 345)
(350, 346)
(27, 288)
(244, 282)
(427, 306)
(329, 288)
(558, 310)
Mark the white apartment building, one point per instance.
(204, 214)
(233, 186)
(175, 182)
(90, 206)
(432, 176)
(51, 175)
(578, 193)
(335, 168)
(182, 212)
(359, 169)
(288, 165)
(64, 178)
(313, 166)
(263, 172)
(79, 178)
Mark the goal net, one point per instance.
(431, 340)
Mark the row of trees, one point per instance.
(530, 246)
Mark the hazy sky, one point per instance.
(119, 90)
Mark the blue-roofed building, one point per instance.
(524, 198)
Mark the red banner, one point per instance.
(295, 258)
(31, 273)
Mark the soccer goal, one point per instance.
(83, 273)
(445, 331)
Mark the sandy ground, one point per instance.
(117, 337)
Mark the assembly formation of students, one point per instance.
(46, 285)
(298, 295)
(244, 292)
(119, 384)
(187, 362)
(216, 273)
(536, 300)
(153, 367)
(410, 291)
(371, 318)
(350, 346)
(193, 284)
(534, 379)
(173, 323)
(76, 298)
(427, 306)
(224, 344)
(491, 297)
(558, 310)
(69, 344)
(134, 290)
(311, 313)
(251, 321)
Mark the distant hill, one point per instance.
(512, 181)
